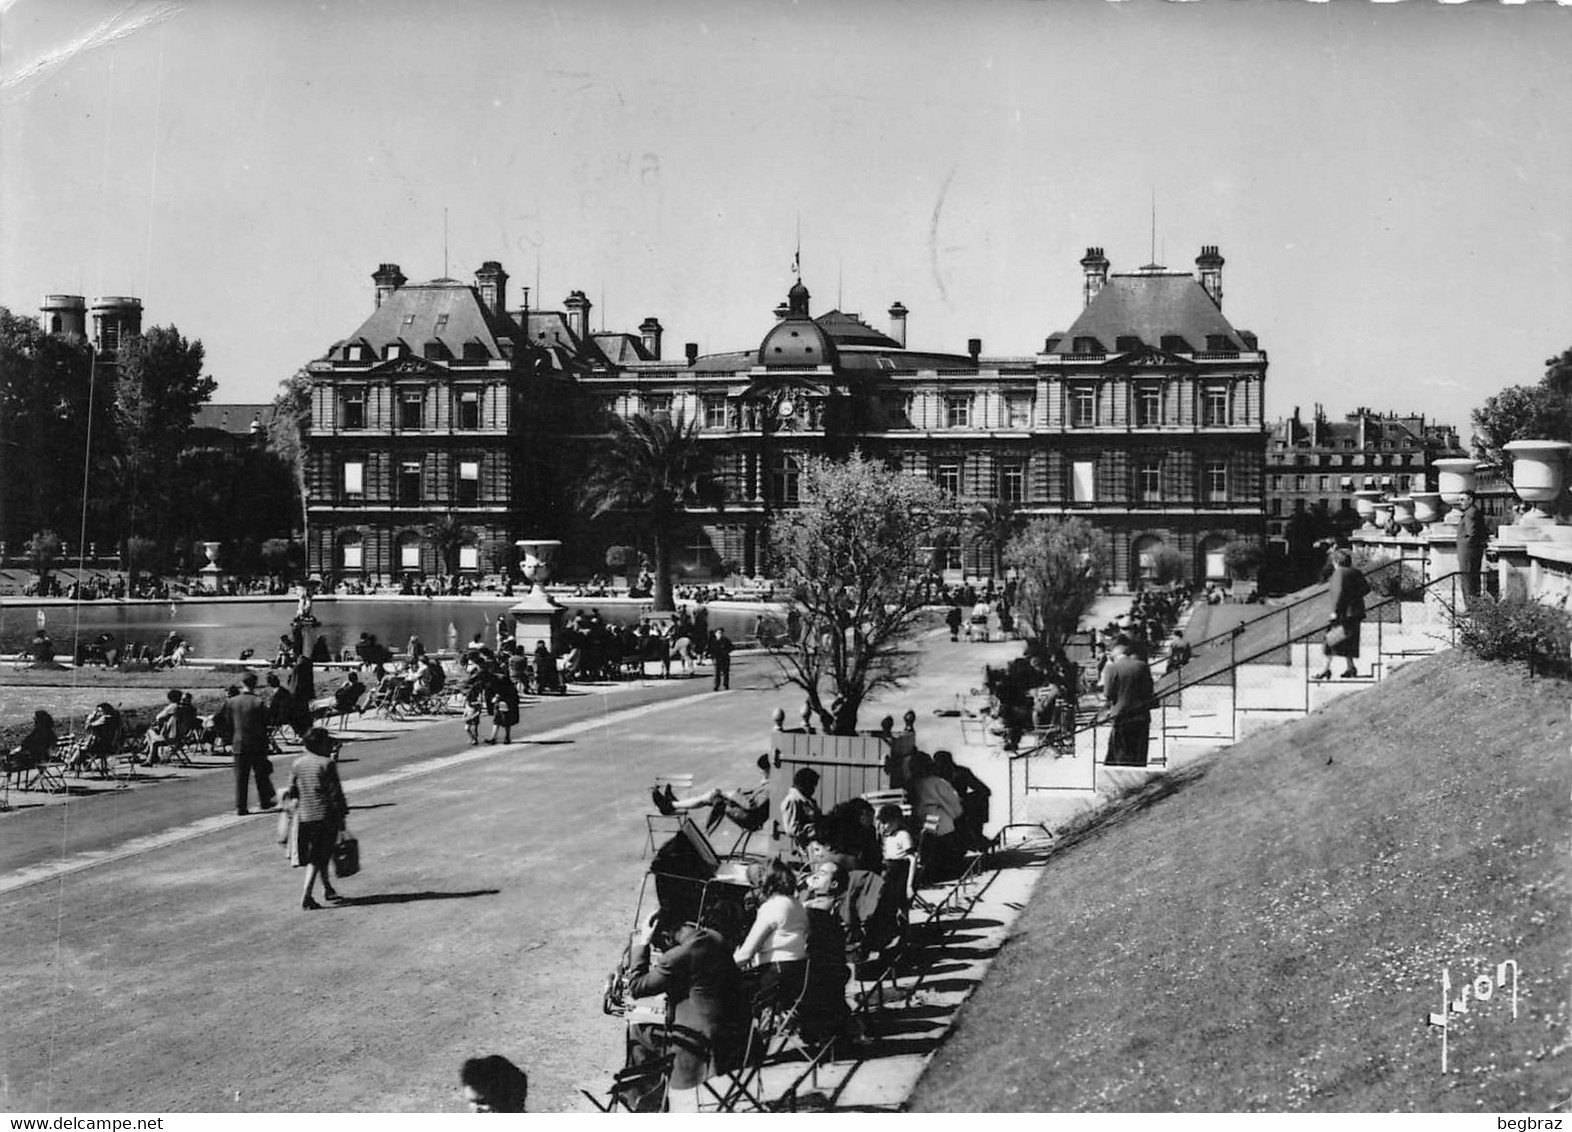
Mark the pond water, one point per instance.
(224, 628)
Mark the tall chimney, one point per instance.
(1094, 266)
(492, 283)
(974, 348)
(1209, 268)
(651, 330)
(692, 350)
(388, 279)
(898, 314)
(578, 307)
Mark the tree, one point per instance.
(447, 535)
(1243, 558)
(1060, 568)
(43, 550)
(290, 433)
(1167, 565)
(658, 469)
(276, 555)
(1526, 412)
(142, 556)
(850, 555)
(990, 525)
(158, 389)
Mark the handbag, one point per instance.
(1335, 636)
(346, 854)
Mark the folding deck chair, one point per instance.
(681, 785)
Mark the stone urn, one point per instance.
(1364, 505)
(1381, 513)
(1538, 476)
(1403, 510)
(1454, 475)
(210, 572)
(537, 619)
(1427, 507)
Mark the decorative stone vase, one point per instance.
(1403, 510)
(1427, 507)
(535, 560)
(1364, 505)
(1454, 475)
(1538, 475)
(1382, 513)
(210, 572)
(537, 618)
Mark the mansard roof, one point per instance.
(444, 310)
(1149, 306)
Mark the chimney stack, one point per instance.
(974, 348)
(388, 279)
(1209, 269)
(692, 350)
(492, 282)
(651, 330)
(1094, 266)
(578, 307)
(898, 314)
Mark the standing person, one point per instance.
(953, 619)
(1471, 539)
(1128, 684)
(319, 809)
(1347, 591)
(720, 653)
(504, 703)
(245, 716)
(1179, 652)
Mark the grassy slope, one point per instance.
(1268, 932)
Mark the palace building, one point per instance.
(1145, 417)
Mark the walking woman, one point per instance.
(504, 706)
(317, 802)
(1348, 592)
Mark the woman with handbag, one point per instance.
(316, 801)
(1348, 592)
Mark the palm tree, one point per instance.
(991, 524)
(657, 468)
(447, 535)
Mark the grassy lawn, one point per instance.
(1268, 931)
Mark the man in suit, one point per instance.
(1128, 682)
(245, 715)
(1471, 539)
(720, 654)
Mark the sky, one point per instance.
(1391, 184)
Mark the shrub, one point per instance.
(1243, 558)
(1516, 629)
(1389, 577)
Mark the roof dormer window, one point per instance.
(434, 350)
(393, 350)
(355, 352)
(1127, 343)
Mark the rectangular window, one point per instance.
(1277, 483)
(1214, 405)
(469, 483)
(1277, 506)
(1083, 406)
(1216, 481)
(952, 558)
(1012, 483)
(1149, 482)
(1018, 410)
(786, 474)
(714, 412)
(352, 410)
(1148, 406)
(354, 477)
(409, 483)
(411, 410)
(469, 408)
(949, 478)
(469, 557)
(1083, 481)
(957, 412)
(654, 404)
(409, 555)
(1299, 483)
(354, 558)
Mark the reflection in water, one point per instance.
(224, 628)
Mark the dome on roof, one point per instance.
(797, 342)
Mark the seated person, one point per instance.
(165, 730)
(974, 795)
(705, 1018)
(749, 809)
(933, 796)
(36, 746)
(492, 1084)
(777, 944)
(799, 812)
(823, 1010)
(347, 697)
(103, 734)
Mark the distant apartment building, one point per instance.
(1319, 463)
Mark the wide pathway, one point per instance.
(157, 958)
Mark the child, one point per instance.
(472, 715)
(892, 828)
